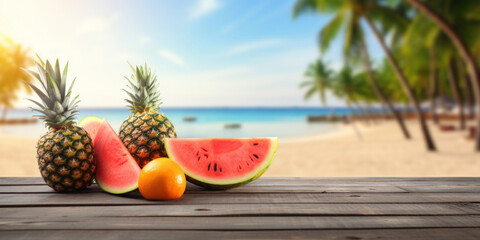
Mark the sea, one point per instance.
(210, 122)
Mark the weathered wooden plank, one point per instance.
(430, 209)
(240, 223)
(134, 198)
(442, 188)
(324, 188)
(192, 189)
(5, 181)
(300, 180)
(391, 234)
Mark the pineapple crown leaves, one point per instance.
(57, 108)
(143, 90)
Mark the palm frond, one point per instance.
(330, 31)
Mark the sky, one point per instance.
(204, 52)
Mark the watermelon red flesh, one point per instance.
(116, 172)
(222, 162)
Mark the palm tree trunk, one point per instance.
(423, 124)
(433, 86)
(456, 93)
(466, 89)
(378, 92)
(463, 50)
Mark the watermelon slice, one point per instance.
(91, 125)
(117, 172)
(222, 163)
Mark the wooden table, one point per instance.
(299, 208)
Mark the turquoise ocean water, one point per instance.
(282, 122)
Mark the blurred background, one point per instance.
(351, 88)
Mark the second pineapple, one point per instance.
(143, 132)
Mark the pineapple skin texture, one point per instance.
(66, 159)
(143, 135)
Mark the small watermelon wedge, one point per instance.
(91, 125)
(117, 172)
(222, 163)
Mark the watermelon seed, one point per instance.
(255, 144)
(204, 149)
(209, 166)
(198, 158)
(255, 155)
(196, 153)
(240, 167)
(251, 159)
(206, 155)
(220, 169)
(215, 167)
(248, 164)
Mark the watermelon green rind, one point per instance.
(204, 182)
(116, 191)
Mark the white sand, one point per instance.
(382, 152)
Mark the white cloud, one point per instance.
(204, 7)
(143, 40)
(252, 46)
(171, 56)
(97, 24)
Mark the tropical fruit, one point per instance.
(162, 179)
(91, 125)
(65, 153)
(222, 163)
(142, 133)
(117, 171)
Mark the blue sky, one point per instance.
(205, 52)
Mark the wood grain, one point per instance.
(391, 234)
(134, 198)
(397, 209)
(324, 188)
(298, 180)
(192, 189)
(240, 223)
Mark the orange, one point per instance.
(162, 179)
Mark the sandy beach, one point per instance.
(381, 152)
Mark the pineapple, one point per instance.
(65, 153)
(142, 133)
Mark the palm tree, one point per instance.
(13, 57)
(432, 89)
(456, 92)
(467, 88)
(462, 49)
(381, 13)
(435, 39)
(421, 55)
(344, 85)
(318, 75)
(348, 14)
